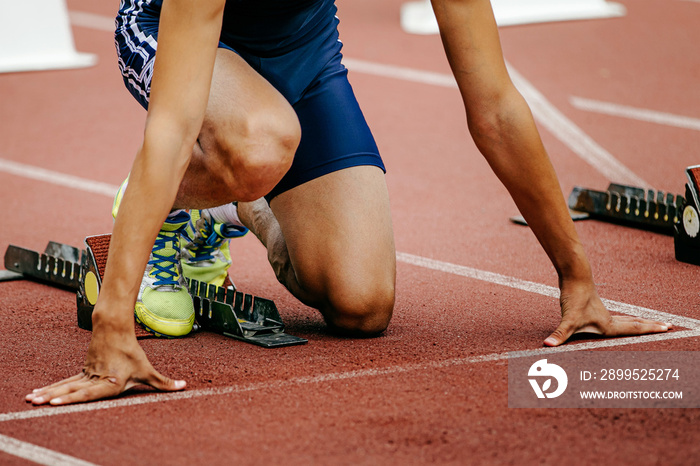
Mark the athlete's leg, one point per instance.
(247, 142)
(331, 244)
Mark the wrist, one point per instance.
(105, 319)
(575, 267)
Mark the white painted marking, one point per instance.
(57, 178)
(399, 72)
(92, 21)
(336, 376)
(572, 136)
(38, 454)
(545, 290)
(641, 114)
(543, 111)
(84, 184)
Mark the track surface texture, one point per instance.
(434, 387)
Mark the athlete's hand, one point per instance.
(582, 311)
(115, 362)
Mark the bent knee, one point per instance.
(269, 140)
(263, 153)
(364, 313)
(257, 152)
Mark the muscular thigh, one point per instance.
(249, 132)
(333, 206)
(247, 140)
(239, 100)
(236, 89)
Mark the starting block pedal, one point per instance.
(687, 230)
(641, 208)
(223, 310)
(238, 315)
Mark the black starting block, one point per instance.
(238, 315)
(223, 310)
(637, 207)
(687, 230)
(649, 210)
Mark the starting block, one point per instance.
(223, 310)
(628, 205)
(241, 316)
(650, 210)
(686, 237)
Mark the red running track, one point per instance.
(434, 388)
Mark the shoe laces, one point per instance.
(165, 255)
(165, 259)
(207, 240)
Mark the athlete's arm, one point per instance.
(187, 43)
(504, 130)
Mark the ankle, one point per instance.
(255, 215)
(227, 213)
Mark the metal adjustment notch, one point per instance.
(641, 208)
(239, 315)
(59, 265)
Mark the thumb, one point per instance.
(560, 335)
(166, 384)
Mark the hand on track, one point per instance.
(582, 311)
(113, 364)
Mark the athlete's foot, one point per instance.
(206, 256)
(163, 305)
(255, 214)
(258, 217)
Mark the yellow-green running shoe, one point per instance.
(164, 305)
(206, 256)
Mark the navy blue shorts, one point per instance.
(300, 56)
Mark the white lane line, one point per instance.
(336, 376)
(38, 454)
(399, 72)
(53, 177)
(539, 288)
(92, 21)
(629, 309)
(572, 136)
(544, 112)
(109, 190)
(634, 113)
